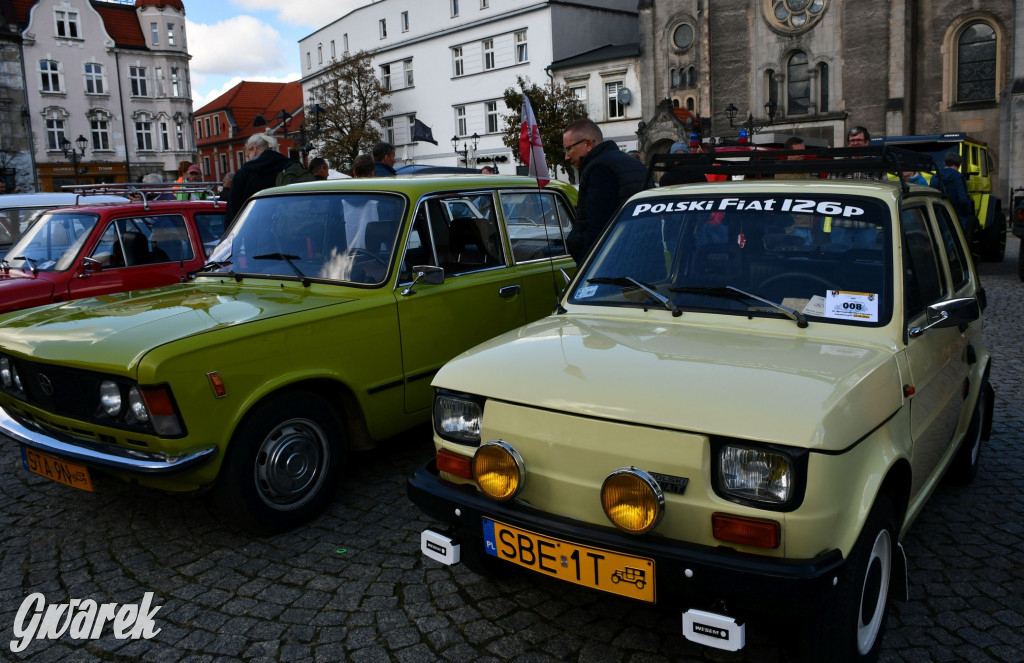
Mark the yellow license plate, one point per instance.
(599, 569)
(61, 471)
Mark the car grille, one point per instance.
(63, 391)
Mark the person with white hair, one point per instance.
(259, 172)
(156, 178)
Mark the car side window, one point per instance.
(211, 229)
(144, 240)
(537, 224)
(956, 259)
(922, 279)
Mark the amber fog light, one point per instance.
(632, 500)
(499, 470)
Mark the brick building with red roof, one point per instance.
(112, 75)
(251, 107)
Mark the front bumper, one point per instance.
(687, 575)
(94, 454)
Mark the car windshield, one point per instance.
(52, 242)
(347, 237)
(814, 257)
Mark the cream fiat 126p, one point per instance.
(747, 395)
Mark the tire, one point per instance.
(1020, 260)
(284, 464)
(853, 628)
(964, 467)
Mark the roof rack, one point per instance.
(146, 191)
(877, 159)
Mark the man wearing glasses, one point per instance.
(608, 176)
(857, 137)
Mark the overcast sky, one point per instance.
(253, 40)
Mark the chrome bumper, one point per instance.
(99, 455)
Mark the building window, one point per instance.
(412, 125)
(615, 109)
(488, 54)
(239, 158)
(491, 110)
(216, 125)
(976, 63)
(54, 134)
(206, 123)
(137, 75)
(580, 92)
(460, 120)
(67, 24)
(522, 54)
(165, 139)
(206, 167)
(93, 78)
(691, 77)
(385, 76)
(682, 37)
(170, 34)
(319, 54)
(457, 61)
(771, 87)
(199, 129)
(822, 88)
(100, 134)
(334, 53)
(383, 28)
(799, 85)
(455, 8)
(388, 124)
(690, 104)
(175, 88)
(484, 4)
(407, 65)
(49, 76)
(179, 135)
(144, 134)
(674, 75)
(159, 78)
(154, 29)
(405, 21)
(223, 163)
(344, 43)
(309, 60)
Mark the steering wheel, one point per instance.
(797, 276)
(357, 251)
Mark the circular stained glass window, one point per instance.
(793, 15)
(682, 37)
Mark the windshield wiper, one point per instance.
(30, 261)
(216, 264)
(630, 282)
(736, 293)
(288, 258)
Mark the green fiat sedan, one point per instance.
(315, 328)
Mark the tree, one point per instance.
(555, 106)
(352, 103)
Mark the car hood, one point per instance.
(111, 332)
(21, 290)
(789, 389)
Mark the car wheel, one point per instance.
(854, 630)
(964, 467)
(993, 244)
(1020, 260)
(283, 465)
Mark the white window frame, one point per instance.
(56, 132)
(405, 21)
(484, 4)
(382, 28)
(179, 135)
(385, 78)
(344, 43)
(170, 34)
(522, 47)
(319, 53)
(100, 130)
(493, 118)
(144, 133)
(613, 109)
(388, 125)
(165, 138)
(334, 53)
(175, 83)
(460, 121)
(50, 77)
(487, 45)
(154, 30)
(66, 24)
(137, 77)
(458, 62)
(94, 78)
(455, 8)
(407, 67)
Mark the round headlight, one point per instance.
(136, 405)
(632, 500)
(499, 470)
(6, 381)
(110, 398)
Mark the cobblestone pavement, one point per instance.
(352, 585)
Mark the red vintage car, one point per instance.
(96, 249)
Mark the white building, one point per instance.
(114, 73)
(448, 63)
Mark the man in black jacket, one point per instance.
(258, 173)
(608, 176)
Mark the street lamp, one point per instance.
(464, 152)
(284, 116)
(74, 153)
(749, 128)
(316, 111)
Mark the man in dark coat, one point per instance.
(384, 159)
(951, 182)
(608, 176)
(258, 173)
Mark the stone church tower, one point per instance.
(820, 67)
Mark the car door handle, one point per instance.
(508, 291)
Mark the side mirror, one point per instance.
(952, 313)
(92, 264)
(424, 274)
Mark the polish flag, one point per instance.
(531, 152)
